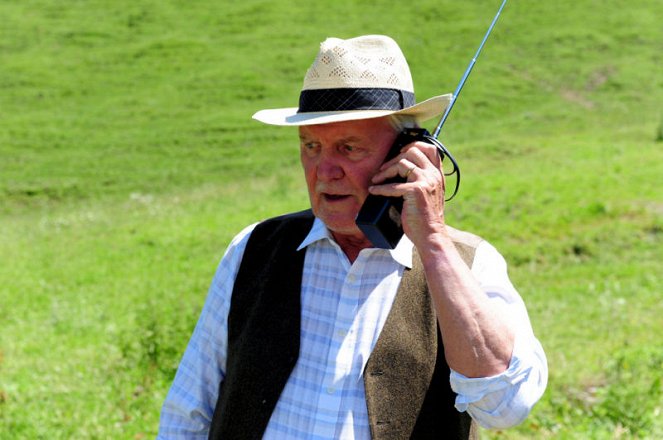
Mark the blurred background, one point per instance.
(128, 160)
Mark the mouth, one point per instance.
(335, 197)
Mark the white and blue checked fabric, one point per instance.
(344, 307)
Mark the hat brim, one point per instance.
(422, 111)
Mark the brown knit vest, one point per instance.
(406, 378)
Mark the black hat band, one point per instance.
(329, 100)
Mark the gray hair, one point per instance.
(401, 122)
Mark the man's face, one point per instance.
(339, 161)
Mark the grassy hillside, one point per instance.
(128, 159)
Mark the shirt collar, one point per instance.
(318, 232)
(402, 254)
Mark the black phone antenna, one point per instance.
(467, 73)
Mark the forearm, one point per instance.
(478, 340)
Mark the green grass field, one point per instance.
(128, 160)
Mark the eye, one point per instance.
(353, 152)
(310, 148)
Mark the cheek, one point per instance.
(309, 170)
(310, 177)
(362, 177)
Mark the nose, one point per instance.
(328, 168)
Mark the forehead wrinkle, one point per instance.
(351, 138)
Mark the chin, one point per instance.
(346, 230)
(339, 224)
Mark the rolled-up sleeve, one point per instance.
(506, 399)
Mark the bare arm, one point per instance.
(477, 339)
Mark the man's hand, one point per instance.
(423, 192)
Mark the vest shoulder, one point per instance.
(466, 244)
(305, 215)
(464, 237)
(294, 225)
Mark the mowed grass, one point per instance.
(128, 160)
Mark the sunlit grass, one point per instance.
(128, 160)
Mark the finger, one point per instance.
(391, 189)
(428, 171)
(409, 171)
(422, 154)
(403, 168)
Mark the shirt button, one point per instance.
(331, 390)
(352, 278)
(342, 333)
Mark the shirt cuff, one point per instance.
(494, 402)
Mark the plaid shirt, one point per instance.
(344, 307)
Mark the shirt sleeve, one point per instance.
(189, 406)
(504, 400)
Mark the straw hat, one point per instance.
(359, 78)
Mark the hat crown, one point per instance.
(358, 78)
(371, 61)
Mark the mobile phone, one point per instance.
(380, 217)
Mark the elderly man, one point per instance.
(310, 331)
